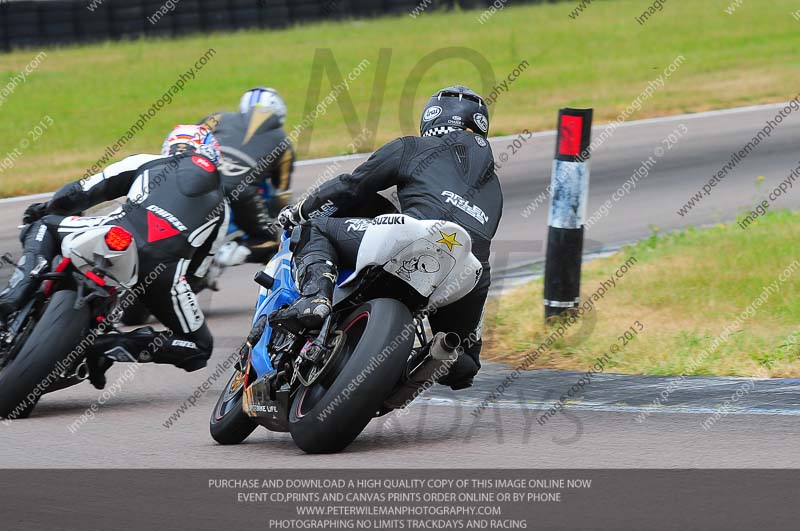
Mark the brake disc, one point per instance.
(320, 369)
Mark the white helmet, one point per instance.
(264, 99)
(195, 138)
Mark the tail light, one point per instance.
(118, 239)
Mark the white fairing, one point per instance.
(433, 257)
(88, 251)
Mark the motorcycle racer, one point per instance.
(446, 174)
(176, 211)
(256, 152)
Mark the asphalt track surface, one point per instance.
(598, 429)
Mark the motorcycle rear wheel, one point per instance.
(54, 338)
(327, 416)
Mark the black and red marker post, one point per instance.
(568, 197)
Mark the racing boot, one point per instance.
(317, 281)
(22, 283)
(115, 346)
(143, 345)
(98, 365)
(232, 254)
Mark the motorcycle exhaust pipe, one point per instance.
(444, 351)
(445, 346)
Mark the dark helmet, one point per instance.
(455, 107)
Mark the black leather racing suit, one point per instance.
(255, 150)
(176, 211)
(449, 177)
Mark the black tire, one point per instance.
(27, 410)
(60, 329)
(135, 315)
(324, 420)
(229, 423)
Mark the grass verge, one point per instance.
(709, 302)
(602, 59)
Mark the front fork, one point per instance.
(268, 399)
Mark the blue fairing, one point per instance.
(284, 291)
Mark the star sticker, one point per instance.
(449, 240)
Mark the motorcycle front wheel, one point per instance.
(229, 423)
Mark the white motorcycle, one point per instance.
(43, 346)
(372, 355)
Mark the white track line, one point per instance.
(21, 198)
(611, 408)
(540, 134)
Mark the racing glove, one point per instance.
(291, 216)
(34, 213)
